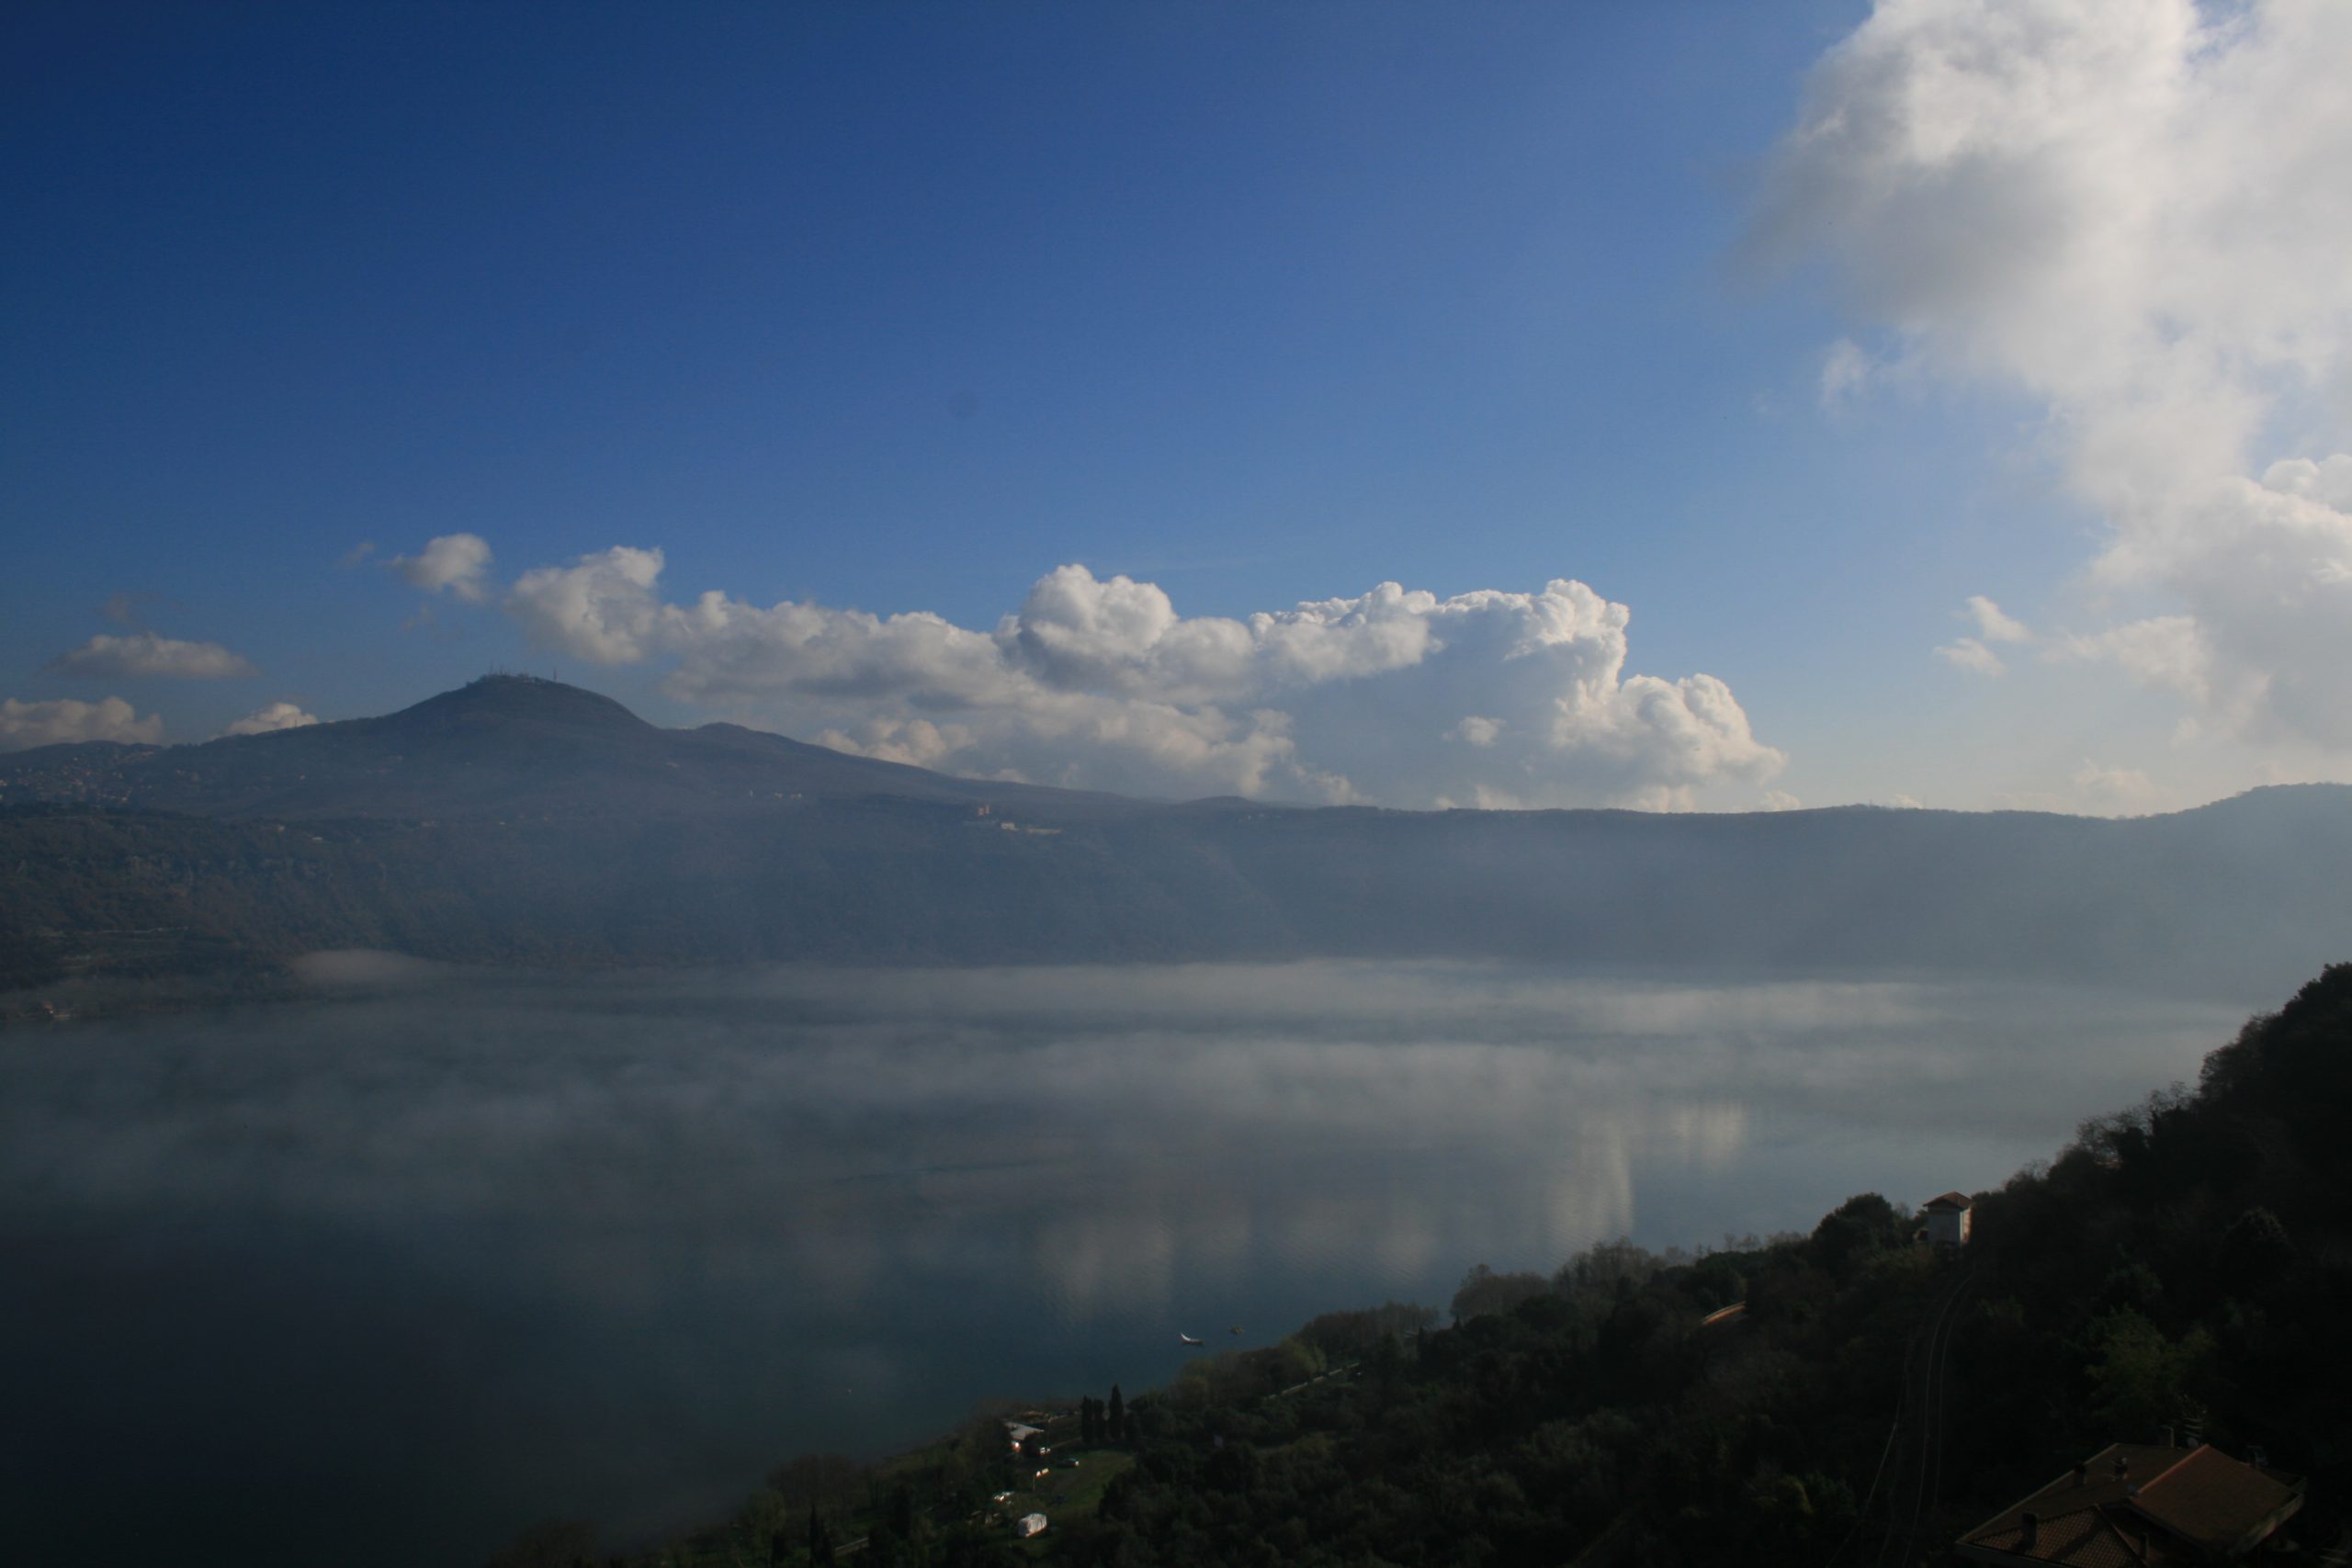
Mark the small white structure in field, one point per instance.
(1028, 1524)
(1021, 1433)
(1948, 1220)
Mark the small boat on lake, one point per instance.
(1187, 1338)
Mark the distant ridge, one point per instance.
(521, 820)
(501, 746)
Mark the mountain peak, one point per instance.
(499, 699)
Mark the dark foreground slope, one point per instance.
(522, 821)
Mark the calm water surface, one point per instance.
(385, 1277)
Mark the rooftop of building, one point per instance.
(2141, 1506)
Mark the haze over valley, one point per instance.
(521, 820)
(1349, 784)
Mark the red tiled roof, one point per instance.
(1952, 1201)
(2169, 1507)
(2086, 1538)
(2212, 1499)
(2084, 1525)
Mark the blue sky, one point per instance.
(899, 308)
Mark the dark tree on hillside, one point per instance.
(1485, 1291)
(2256, 1249)
(1861, 1225)
(1117, 1421)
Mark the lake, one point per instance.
(385, 1275)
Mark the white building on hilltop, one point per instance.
(1948, 1220)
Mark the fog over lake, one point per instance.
(384, 1276)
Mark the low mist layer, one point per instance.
(434, 1255)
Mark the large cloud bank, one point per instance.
(1483, 699)
(2136, 212)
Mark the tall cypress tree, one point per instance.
(1117, 1422)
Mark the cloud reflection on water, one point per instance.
(1130, 1126)
(725, 1217)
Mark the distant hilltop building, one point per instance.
(1948, 1220)
(2134, 1503)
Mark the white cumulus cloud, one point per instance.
(2119, 792)
(277, 715)
(1969, 654)
(1392, 695)
(1845, 372)
(2094, 790)
(145, 654)
(1975, 653)
(457, 564)
(1992, 625)
(2134, 211)
(1476, 730)
(2165, 652)
(600, 608)
(23, 725)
